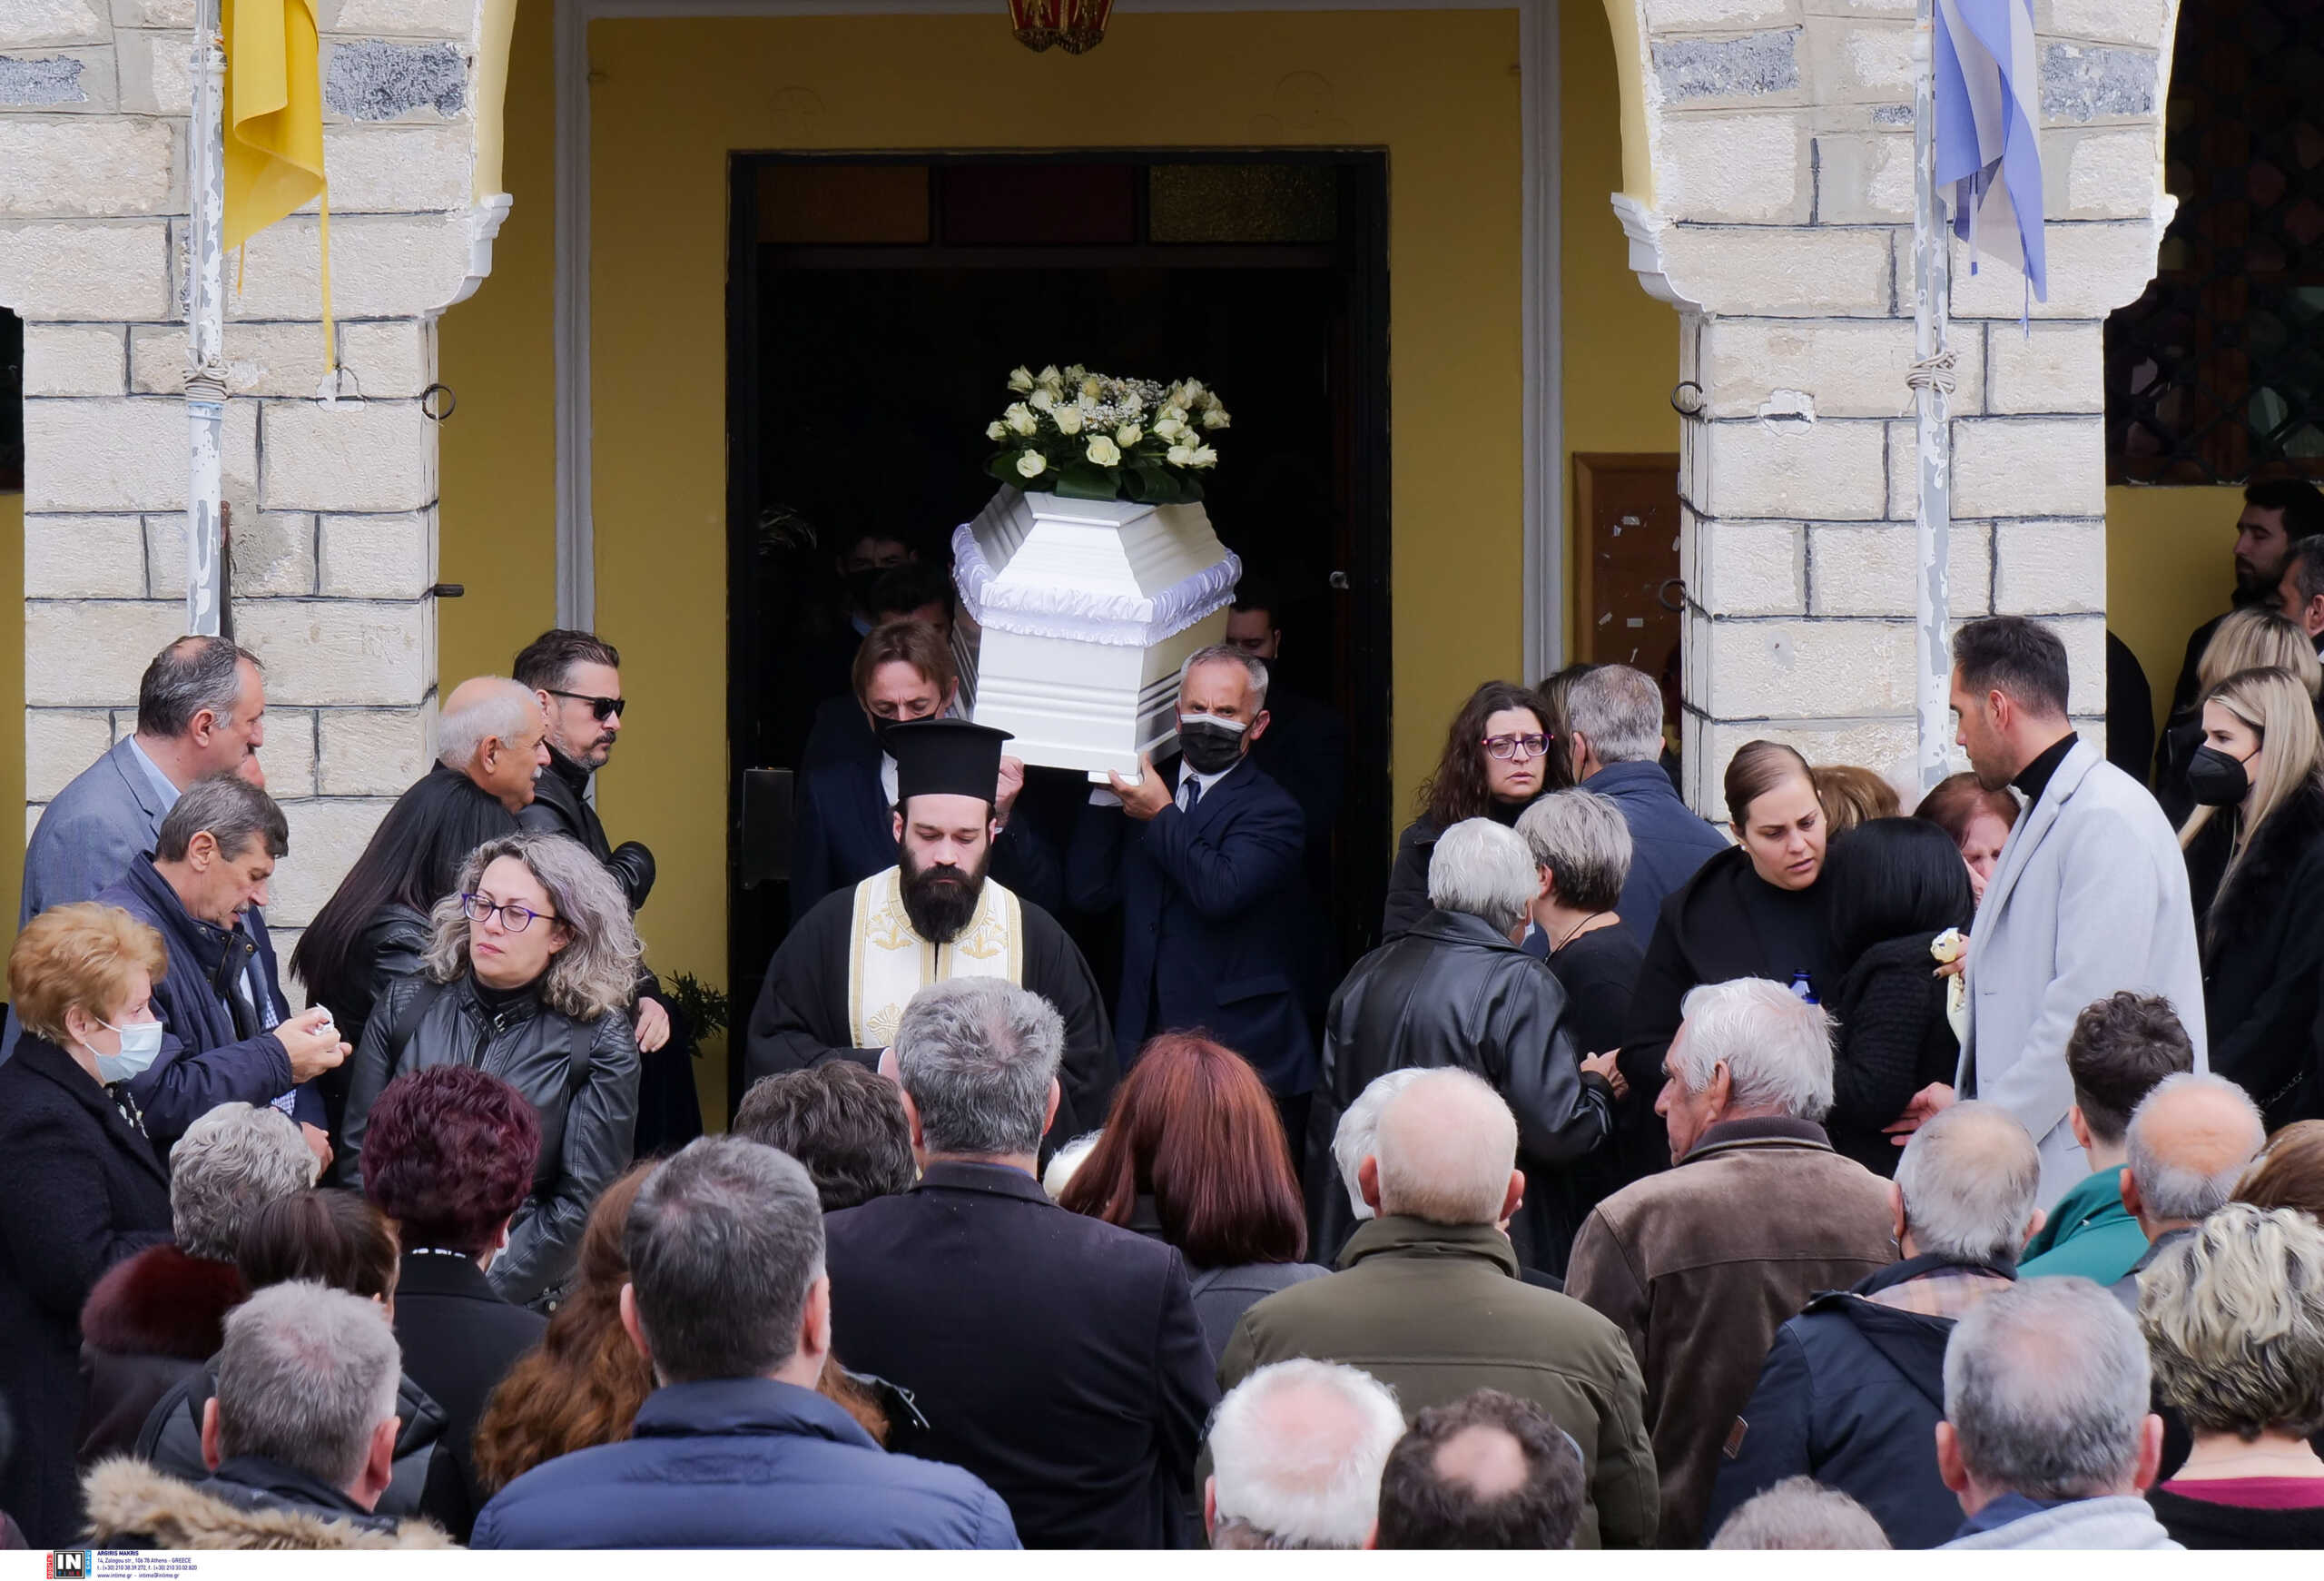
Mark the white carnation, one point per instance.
(1104, 452)
(1068, 418)
(1031, 464)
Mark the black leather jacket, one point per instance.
(1450, 991)
(581, 1078)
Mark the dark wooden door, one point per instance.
(1629, 595)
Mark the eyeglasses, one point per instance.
(514, 917)
(1518, 747)
(604, 708)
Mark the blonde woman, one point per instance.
(2247, 639)
(527, 976)
(2255, 868)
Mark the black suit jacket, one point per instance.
(459, 1339)
(80, 1190)
(1213, 920)
(844, 828)
(1055, 1356)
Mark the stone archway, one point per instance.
(1769, 163)
(334, 506)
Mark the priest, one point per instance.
(838, 985)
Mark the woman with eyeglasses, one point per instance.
(527, 976)
(2255, 870)
(1496, 761)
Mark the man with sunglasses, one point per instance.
(576, 677)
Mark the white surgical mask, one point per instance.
(140, 1045)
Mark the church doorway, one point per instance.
(876, 304)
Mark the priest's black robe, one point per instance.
(800, 1017)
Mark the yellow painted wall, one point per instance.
(2168, 570)
(497, 533)
(1621, 346)
(12, 707)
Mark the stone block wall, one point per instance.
(1781, 229)
(333, 504)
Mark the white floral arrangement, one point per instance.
(1091, 436)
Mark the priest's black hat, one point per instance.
(946, 757)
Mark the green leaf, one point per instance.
(1081, 480)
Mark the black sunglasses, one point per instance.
(604, 708)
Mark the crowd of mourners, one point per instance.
(1827, 1177)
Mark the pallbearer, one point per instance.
(838, 985)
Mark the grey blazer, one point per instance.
(88, 836)
(2090, 897)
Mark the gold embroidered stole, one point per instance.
(888, 962)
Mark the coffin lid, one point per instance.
(1108, 571)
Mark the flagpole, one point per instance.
(1930, 379)
(205, 376)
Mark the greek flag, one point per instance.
(1987, 95)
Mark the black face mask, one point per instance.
(2217, 780)
(881, 731)
(1209, 748)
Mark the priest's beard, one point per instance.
(940, 900)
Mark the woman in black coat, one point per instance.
(1756, 910)
(1497, 758)
(1896, 885)
(2255, 868)
(81, 1187)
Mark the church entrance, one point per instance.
(875, 307)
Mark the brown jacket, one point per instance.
(1437, 1311)
(1701, 1265)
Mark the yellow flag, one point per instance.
(275, 120)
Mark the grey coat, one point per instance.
(2090, 897)
(88, 836)
(2117, 1522)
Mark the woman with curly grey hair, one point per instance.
(2234, 1322)
(527, 976)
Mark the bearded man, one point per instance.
(837, 987)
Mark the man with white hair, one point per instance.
(1456, 989)
(491, 729)
(1204, 856)
(1429, 1301)
(2189, 1142)
(2047, 1441)
(1295, 1452)
(1335, 1203)
(299, 1439)
(1849, 1392)
(1700, 1265)
(1613, 736)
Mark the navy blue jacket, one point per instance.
(206, 1060)
(844, 829)
(1850, 1395)
(743, 1463)
(1668, 841)
(1213, 920)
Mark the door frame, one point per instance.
(1542, 588)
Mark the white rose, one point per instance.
(1205, 457)
(1190, 391)
(1181, 456)
(1043, 401)
(1021, 417)
(1049, 376)
(996, 431)
(1169, 429)
(1091, 390)
(1174, 412)
(1104, 452)
(1031, 464)
(1128, 435)
(1215, 417)
(1068, 417)
(1020, 379)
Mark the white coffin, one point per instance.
(1079, 613)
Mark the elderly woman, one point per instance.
(155, 1320)
(81, 1187)
(1978, 820)
(450, 1157)
(529, 971)
(2234, 1322)
(1194, 1155)
(1456, 989)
